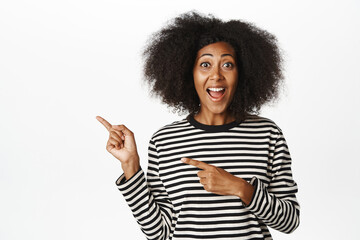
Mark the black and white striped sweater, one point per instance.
(170, 203)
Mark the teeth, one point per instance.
(216, 89)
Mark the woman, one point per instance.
(222, 172)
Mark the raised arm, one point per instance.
(148, 199)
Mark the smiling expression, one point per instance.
(215, 77)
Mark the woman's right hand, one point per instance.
(121, 145)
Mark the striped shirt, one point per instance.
(170, 203)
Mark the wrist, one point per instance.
(244, 191)
(248, 193)
(238, 188)
(130, 169)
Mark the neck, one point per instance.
(214, 118)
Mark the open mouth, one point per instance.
(216, 93)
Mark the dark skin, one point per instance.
(219, 181)
(122, 145)
(215, 68)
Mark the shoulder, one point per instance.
(168, 129)
(261, 121)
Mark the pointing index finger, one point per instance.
(196, 163)
(106, 124)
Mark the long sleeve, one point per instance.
(148, 199)
(275, 203)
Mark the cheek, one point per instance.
(198, 82)
(235, 80)
(234, 83)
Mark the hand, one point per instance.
(219, 181)
(121, 145)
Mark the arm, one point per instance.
(276, 204)
(148, 199)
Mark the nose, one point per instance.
(216, 73)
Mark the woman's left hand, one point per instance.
(219, 181)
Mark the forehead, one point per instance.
(217, 49)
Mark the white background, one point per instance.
(64, 62)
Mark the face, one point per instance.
(215, 77)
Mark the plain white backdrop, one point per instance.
(64, 62)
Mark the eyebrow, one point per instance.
(208, 54)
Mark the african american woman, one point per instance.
(222, 172)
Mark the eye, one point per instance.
(228, 65)
(205, 64)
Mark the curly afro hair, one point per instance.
(170, 54)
